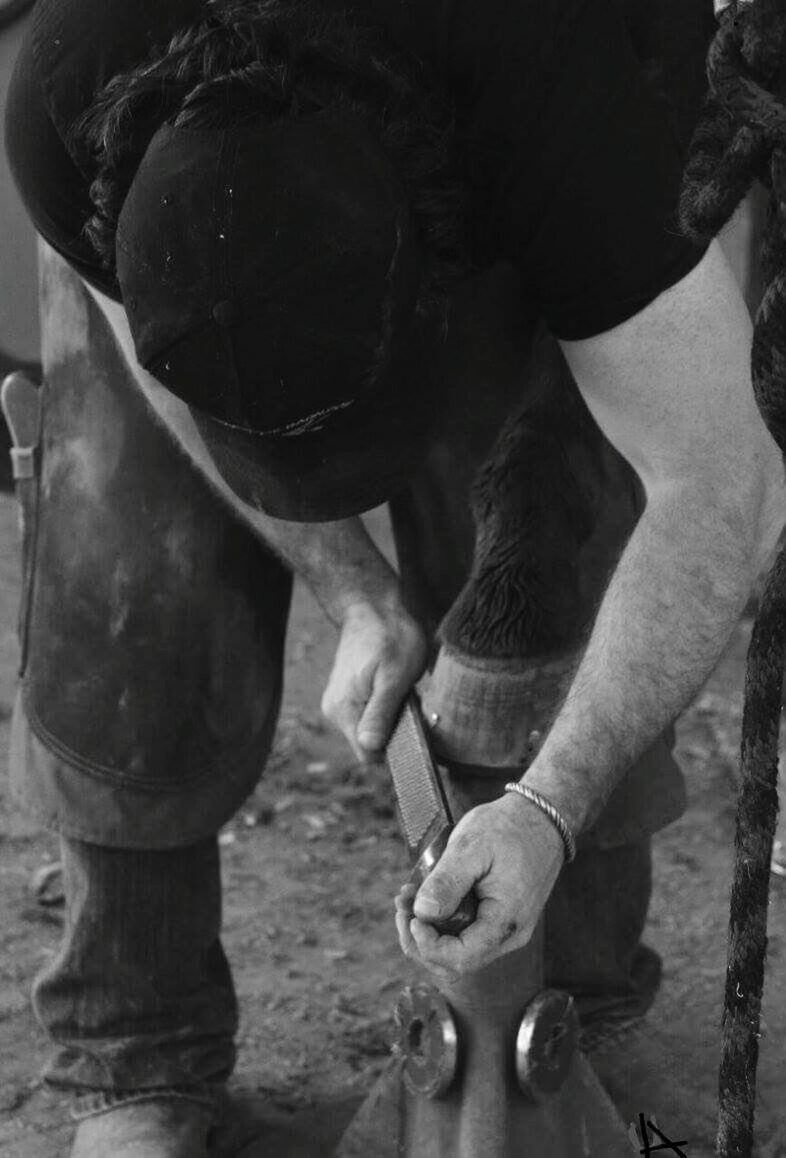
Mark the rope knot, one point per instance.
(744, 118)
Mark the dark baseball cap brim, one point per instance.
(352, 463)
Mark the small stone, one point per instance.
(283, 804)
(338, 954)
(317, 824)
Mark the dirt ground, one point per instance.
(311, 865)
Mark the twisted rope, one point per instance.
(741, 137)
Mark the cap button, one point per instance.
(224, 313)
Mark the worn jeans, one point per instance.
(154, 626)
(139, 1000)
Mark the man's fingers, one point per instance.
(403, 918)
(381, 653)
(379, 715)
(442, 954)
(421, 944)
(404, 925)
(365, 717)
(344, 713)
(405, 896)
(460, 866)
(490, 936)
(495, 932)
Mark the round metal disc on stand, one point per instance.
(545, 1043)
(426, 1041)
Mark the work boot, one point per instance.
(161, 1128)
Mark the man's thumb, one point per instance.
(445, 887)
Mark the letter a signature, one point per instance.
(652, 1139)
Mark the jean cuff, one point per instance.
(102, 1101)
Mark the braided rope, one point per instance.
(742, 137)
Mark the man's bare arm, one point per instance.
(671, 389)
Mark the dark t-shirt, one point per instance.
(572, 158)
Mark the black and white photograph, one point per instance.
(392, 578)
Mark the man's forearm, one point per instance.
(666, 617)
(339, 561)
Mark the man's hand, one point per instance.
(381, 654)
(512, 854)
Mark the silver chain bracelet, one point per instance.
(554, 815)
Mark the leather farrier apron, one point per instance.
(153, 622)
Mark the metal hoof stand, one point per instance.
(487, 1066)
(482, 1078)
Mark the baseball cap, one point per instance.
(270, 273)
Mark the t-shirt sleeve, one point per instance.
(574, 164)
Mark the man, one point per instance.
(265, 201)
